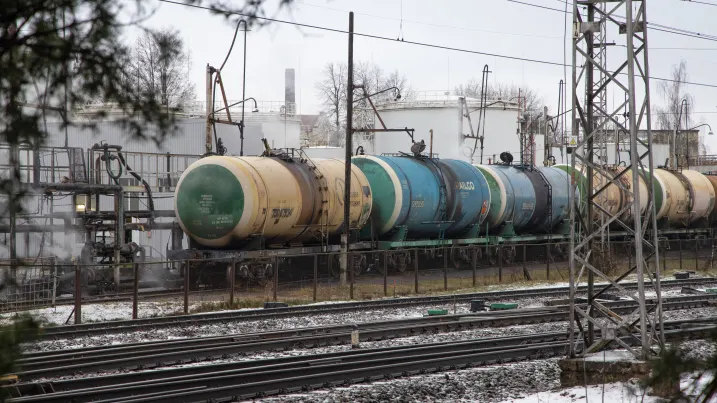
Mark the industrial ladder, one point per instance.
(323, 193)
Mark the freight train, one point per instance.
(255, 209)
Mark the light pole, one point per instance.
(687, 142)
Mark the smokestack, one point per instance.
(289, 87)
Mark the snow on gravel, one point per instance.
(487, 384)
(241, 327)
(101, 312)
(619, 392)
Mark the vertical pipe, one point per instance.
(474, 262)
(445, 269)
(347, 163)
(316, 275)
(209, 110)
(276, 279)
(186, 287)
(385, 273)
(243, 96)
(525, 264)
(232, 279)
(78, 295)
(135, 290)
(415, 271)
(430, 146)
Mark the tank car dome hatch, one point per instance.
(424, 197)
(221, 200)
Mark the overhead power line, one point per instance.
(651, 25)
(428, 45)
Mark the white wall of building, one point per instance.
(444, 118)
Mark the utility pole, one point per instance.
(590, 121)
(547, 144)
(346, 239)
(209, 109)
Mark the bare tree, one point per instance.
(160, 68)
(673, 93)
(530, 102)
(332, 92)
(674, 115)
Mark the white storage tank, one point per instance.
(443, 115)
(338, 153)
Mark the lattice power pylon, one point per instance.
(641, 330)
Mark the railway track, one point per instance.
(251, 379)
(154, 355)
(70, 331)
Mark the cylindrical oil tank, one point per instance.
(424, 196)
(502, 198)
(703, 195)
(688, 196)
(713, 214)
(610, 199)
(467, 193)
(625, 177)
(333, 171)
(560, 195)
(519, 194)
(220, 200)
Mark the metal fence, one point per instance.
(70, 293)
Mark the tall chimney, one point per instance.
(289, 90)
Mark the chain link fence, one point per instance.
(60, 293)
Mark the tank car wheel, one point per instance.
(359, 264)
(263, 274)
(460, 256)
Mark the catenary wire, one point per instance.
(434, 46)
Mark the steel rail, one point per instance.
(31, 388)
(320, 371)
(158, 356)
(71, 331)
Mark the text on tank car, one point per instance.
(465, 185)
(417, 203)
(282, 212)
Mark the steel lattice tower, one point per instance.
(590, 119)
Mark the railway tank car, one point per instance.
(685, 197)
(223, 201)
(519, 199)
(421, 197)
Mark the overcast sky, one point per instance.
(491, 26)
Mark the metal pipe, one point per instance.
(243, 95)
(209, 109)
(430, 145)
(347, 163)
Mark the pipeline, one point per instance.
(108, 158)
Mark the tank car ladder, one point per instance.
(323, 193)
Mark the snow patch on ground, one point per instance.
(619, 392)
(487, 384)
